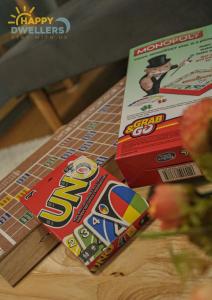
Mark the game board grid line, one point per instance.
(114, 104)
(17, 230)
(100, 131)
(8, 237)
(106, 113)
(45, 166)
(109, 100)
(14, 226)
(35, 176)
(19, 221)
(7, 194)
(37, 168)
(106, 150)
(92, 153)
(95, 142)
(16, 218)
(41, 176)
(100, 123)
(106, 118)
(15, 187)
(9, 178)
(9, 227)
(14, 203)
(18, 209)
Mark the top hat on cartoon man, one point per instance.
(158, 61)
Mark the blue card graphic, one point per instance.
(105, 229)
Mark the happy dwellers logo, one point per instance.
(24, 22)
(144, 126)
(76, 181)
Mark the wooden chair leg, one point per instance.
(68, 83)
(42, 102)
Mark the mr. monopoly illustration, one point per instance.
(157, 69)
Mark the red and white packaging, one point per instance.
(164, 77)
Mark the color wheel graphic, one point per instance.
(127, 204)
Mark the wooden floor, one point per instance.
(143, 270)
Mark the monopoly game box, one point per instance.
(164, 77)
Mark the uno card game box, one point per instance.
(164, 77)
(88, 209)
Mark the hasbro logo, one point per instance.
(166, 156)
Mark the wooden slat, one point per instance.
(27, 254)
(44, 105)
(9, 106)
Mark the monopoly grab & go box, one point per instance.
(164, 77)
(89, 210)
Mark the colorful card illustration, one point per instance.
(89, 242)
(71, 242)
(119, 203)
(87, 209)
(106, 230)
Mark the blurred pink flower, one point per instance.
(202, 293)
(195, 127)
(166, 204)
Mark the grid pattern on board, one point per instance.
(93, 133)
